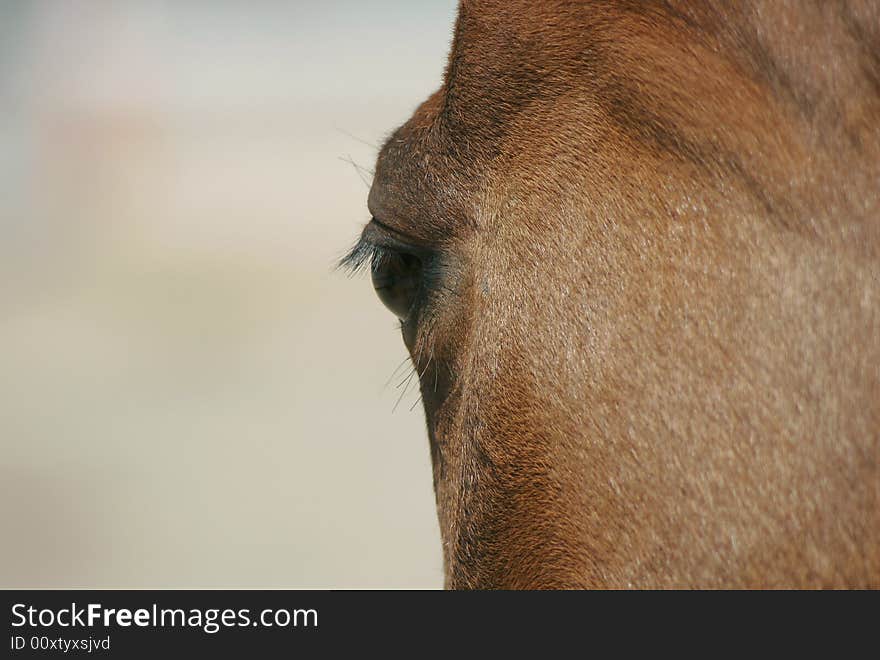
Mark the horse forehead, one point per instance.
(430, 172)
(509, 63)
(519, 75)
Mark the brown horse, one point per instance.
(635, 251)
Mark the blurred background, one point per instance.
(190, 396)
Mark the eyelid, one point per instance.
(376, 242)
(381, 235)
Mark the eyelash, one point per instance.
(364, 254)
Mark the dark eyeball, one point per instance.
(396, 278)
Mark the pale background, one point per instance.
(190, 396)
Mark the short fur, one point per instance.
(655, 357)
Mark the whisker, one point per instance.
(405, 378)
(421, 375)
(394, 373)
(357, 139)
(414, 371)
(428, 364)
(400, 398)
(357, 168)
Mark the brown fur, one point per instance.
(655, 357)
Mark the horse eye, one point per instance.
(396, 278)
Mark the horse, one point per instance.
(634, 248)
